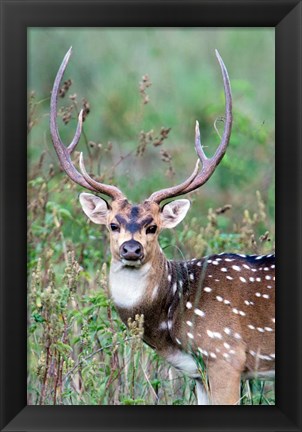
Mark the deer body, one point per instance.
(219, 307)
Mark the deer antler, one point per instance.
(64, 152)
(208, 164)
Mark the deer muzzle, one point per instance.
(131, 250)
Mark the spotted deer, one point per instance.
(219, 307)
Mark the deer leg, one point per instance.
(224, 382)
(201, 393)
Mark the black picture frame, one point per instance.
(16, 17)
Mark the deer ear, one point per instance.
(174, 212)
(94, 207)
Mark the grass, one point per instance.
(79, 351)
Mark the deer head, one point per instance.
(134, 229)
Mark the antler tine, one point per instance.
(106, 189)
(174, 190)
(208, 164)
(63, 152)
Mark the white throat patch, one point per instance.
(128, 285)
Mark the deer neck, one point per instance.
(131, 287)
(145, 290)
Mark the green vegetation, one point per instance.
(142, 90)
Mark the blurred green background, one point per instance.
(141, 138)
(106, 67)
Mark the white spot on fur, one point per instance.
(237, 336)
(154, 292)
(250, 326)
(223, 269)
(210, 334)
(227, 331)
(258, 279)
(207, 289)
(191, 276)
(189, 305)
(219, 298)
(190, 324)
(229, 259)
(217, 335)
(242, 279)
(203, 352)
(199, 312)
(258, 294)
(163, 325)
(246, 266)
(252, 279)
(267, 277)
(215, 262)
(237, 268)
(169, 277)
(268, 329)
(226, 302)
(214, 335)
(229, 277)
(190, 335)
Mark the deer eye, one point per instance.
(151, 229)
(114, 227)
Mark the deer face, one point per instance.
(134, 229)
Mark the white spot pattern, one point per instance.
(235, 267)
(199, 312)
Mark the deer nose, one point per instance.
(131, 250)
